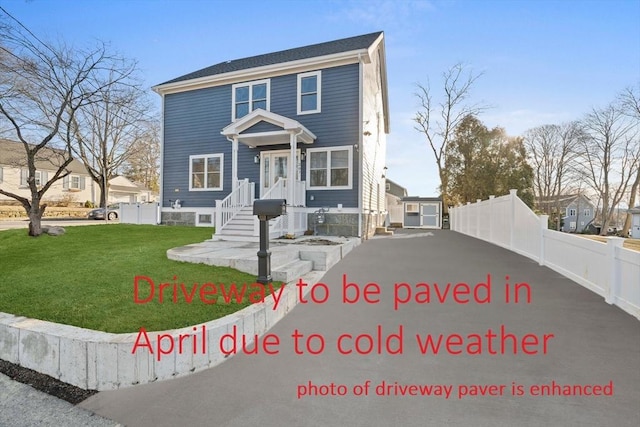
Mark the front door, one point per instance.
(273, 165)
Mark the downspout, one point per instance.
(360, 148)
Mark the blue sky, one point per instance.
(543, 61)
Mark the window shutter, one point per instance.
(0, 174)
(65, 182)
(82, 184)
(23, 177)
(43, 178)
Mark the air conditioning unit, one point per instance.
(413, 208)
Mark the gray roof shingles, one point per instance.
(311, 51)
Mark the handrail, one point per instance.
(277, 191)
(228, 207)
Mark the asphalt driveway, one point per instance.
(495, 366)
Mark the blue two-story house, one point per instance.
(307, 125)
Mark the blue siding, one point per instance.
(193, 121)
(262, 127)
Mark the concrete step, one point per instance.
(238, 227)
(291, 271)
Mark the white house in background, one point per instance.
(123, 190)
(74, 188)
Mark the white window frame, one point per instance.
(587, 212)
(1, 176)
(328, 150)
(571, 212)
(318, 75)
(73, 187)
(206, 157)
(250, 86)
(38, 178)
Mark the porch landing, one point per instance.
(290, 258)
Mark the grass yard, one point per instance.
(85, 277)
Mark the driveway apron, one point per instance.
(589, 343)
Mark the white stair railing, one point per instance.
(228, 207)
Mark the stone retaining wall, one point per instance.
(8, 212)
(96, 360)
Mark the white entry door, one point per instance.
(273, 165)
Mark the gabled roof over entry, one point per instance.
(288, 126)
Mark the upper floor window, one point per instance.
(250, 96)
(587, 212)
(572, 212)
(205, 172)
(329, 168)
(309, 92)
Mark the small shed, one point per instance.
(635, 222)
(422, 212)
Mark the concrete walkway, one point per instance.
(588, 343)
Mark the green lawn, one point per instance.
(85, 277)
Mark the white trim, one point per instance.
(206, 156)
(267, 71)
(250, 85)
(318, 92)
(349, 149)
(161, 177)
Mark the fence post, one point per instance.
(614, 278)
(544, 224)
(467, 211)
(491, 216)
(478, 208)
(512, 219)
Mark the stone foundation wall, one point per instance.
(335, 224)
(178, 218)
(370, 222)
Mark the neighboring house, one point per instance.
(75, 188)
(576, 211)
(123, 190)
(422, 212)
(307, 125)
(394, 193)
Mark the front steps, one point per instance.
(240, 228)
(290, 260)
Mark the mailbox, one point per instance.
(269, 208)
(266, 209)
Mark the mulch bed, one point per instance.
(45, 383)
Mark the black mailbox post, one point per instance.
(265, 210)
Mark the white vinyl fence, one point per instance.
(607, 269)
(139, 213)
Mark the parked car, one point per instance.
(113, 213)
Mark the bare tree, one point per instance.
(611, 156)
(42, 88)
(437, 120)
(144, 162)
(552, 150)
(106, 132)
(630, 99)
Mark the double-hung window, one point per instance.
(73, 183)
(330, 168)
(250, 96)
(309, 92)
(205, 172)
